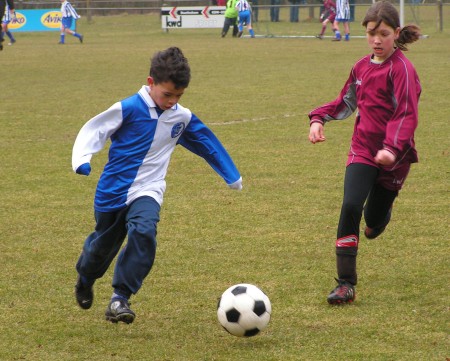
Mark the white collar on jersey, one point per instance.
(144, 93)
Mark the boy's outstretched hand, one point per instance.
(236, 185)
(84, 169)
(316, 133)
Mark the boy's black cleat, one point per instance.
(343, 293)
(81, 39)
(84, 294)
(372, 233)
(119, 310)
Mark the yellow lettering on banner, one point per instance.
(52, 19)
(19, 21)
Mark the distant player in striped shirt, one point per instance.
(68, 14)
(3, 4)
(245, 17)
(9, 15)
(342, 16)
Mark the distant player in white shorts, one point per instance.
(342, 16)
(9, 15)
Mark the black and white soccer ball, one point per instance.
(244, 310)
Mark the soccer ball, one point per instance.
(244, 310)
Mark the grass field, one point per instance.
(278, 233)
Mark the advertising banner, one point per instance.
(37, 20)
(192, 17)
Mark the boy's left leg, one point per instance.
(136, 259)
(235, 27)
(12, 40)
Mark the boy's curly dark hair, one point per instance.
(384, 11)
(170, 65)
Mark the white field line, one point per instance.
(252, 120)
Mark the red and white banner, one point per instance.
(192, 17)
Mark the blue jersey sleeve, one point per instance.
(200, 140)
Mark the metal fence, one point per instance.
(310, 9)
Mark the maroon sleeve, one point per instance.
(406, 90)
(340, 108)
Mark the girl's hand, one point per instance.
(316, 133)
(385, 157)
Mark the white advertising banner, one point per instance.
(192, 17)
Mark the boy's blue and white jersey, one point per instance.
(141, 146)
(242, 5)
(68, 11)
(343, 10)
(6, 19)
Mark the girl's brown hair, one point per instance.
(384, 11)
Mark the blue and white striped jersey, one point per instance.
(343, 10)
(141, 146)
(7, 16)
(67, 10)
(242, 5)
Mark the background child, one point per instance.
(144, 130)
(342, 16)
(9, 15)
(245, 17)
(68, 14)
(3, 4)
(328, 16)
(231, 18)
(385, 89)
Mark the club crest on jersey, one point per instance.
(177, 129)
(358, 82)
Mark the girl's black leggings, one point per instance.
(361, 193)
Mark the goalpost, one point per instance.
(276, 20)
(402, 13)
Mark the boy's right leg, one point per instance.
(99, 250)
(135, 261)
(235, 27)
(226, 27)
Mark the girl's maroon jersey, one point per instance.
(386, 96)
(330, 6)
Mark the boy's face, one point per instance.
(165, 95)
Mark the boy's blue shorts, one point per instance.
(67, 22)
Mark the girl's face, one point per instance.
(381, 40)
(165, 95)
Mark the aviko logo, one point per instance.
(174, 23)
(51, 19)
(19, 21)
